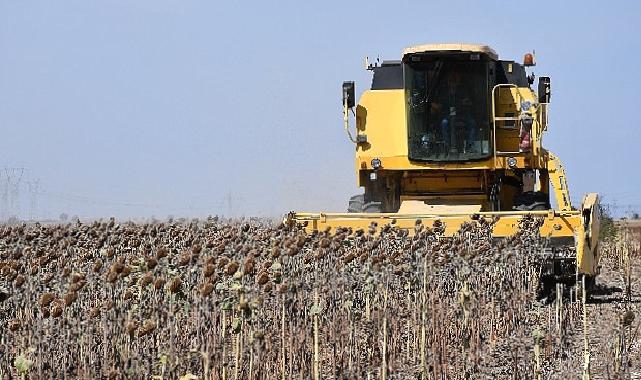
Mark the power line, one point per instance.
(11, 178)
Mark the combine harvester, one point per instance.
(452, 133)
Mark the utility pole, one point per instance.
(34, 189)
(229, 205)
(11, 192)
(5, 196)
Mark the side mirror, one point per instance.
(348, 94)
(544, 90)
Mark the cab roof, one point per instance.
(472, 48)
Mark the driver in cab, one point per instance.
(455, 108)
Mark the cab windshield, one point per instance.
(447, 109)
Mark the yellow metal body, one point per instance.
(382, 134)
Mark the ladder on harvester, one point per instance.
(506, 122)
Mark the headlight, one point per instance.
(511, 162)
(525, 105)
(376, 163)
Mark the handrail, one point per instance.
(543, 119)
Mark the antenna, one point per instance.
(370, 66)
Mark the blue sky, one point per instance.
(159, 107)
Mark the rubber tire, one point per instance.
(590, 283)
(531, 201)
(372, 207)
(357, 204)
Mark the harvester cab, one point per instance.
(452, 133)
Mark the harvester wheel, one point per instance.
(357, 204)
(373, 207)
(532, 201)
(547, 286)
(590, 283)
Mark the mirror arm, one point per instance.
(346, 121)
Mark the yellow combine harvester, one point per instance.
(451, 133)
